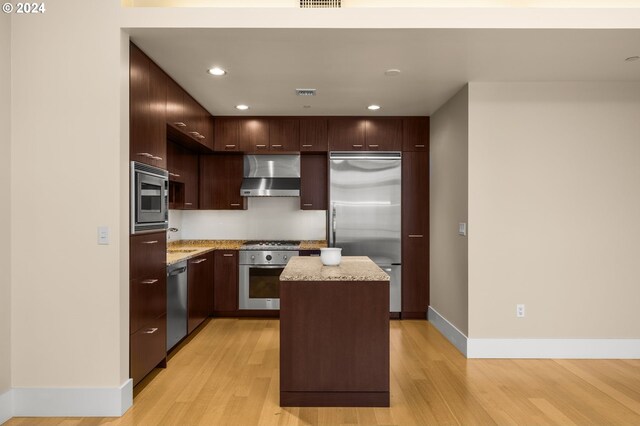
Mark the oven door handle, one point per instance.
(265, 266)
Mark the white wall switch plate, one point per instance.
(103, 235)
(462, 229)
(520, 311)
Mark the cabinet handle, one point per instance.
(156, 158)
(260, 146)
(149, 281)
(229, 146)
(276, 146)
(416, 235)
(307, 146)
(419, 146)
(150, 242)
(357, 146)
(199, 261)
(235, 204)
(373, 146)
(145, 154)
(150, 330)
(174, 174)
(179, 124)
(188, 204)
(227, 255)
(201, 136)
(307, 205)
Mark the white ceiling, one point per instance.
(265, 66)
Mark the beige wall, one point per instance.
(5, 210)
(554, 202)
(448, 206)
(67, 179)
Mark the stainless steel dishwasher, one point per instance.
(176, 303)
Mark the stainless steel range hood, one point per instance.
(271, 176)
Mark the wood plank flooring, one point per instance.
(227, 374)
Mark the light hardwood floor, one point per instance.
(227, 374)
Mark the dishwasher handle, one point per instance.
(178, 271)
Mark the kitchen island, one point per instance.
(334, 334)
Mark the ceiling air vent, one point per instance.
(320, 3)
(306, 92)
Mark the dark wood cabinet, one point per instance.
(225, 130)
(347, 134)
(225, 283)
(284, 134)
(313, 182)
(253, 134)
(220, 182)
(200, 289)
(415, 134)
(183, 170)
(415, 234)
(147, 302)
(314, 135)
(383, 134)
(147, 97)
(175, 105)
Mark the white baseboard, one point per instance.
(73, 402)
(6, 406)
(448, 330)
(554, 348)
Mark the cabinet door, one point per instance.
(225, 132)
(158, 114)
(147, 254)
(384, 134)
(175, 162)
(415, 134)
(313, 182)
(148, 348)
(415, 234)
(206, 130)
(139, 108)
(175, 105)
(253, 134)
(314, 134)
(225, 285)
(190, 171)
(147, 299)
(200, 279)
(347, 134)
(284, 134)
(220, 182)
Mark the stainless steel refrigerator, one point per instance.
(364, 210)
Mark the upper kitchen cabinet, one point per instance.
(284, 134)
(313, 181)
(225, 131)
(347, 134)
(383, 134)
(183, 177)
(253, 134)
(314, 134)
(415, 134)
(187, 122)
(220, 182)
(147, 110)
(415, 234)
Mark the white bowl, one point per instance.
(330, 256)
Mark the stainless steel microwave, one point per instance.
(149, 198)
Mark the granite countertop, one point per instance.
(351, 268)
(177, 251)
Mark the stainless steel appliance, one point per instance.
(364, 217)
(271, 176)
(149, 198)
(176, 303)
(261, 264)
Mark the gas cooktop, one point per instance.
(271, 245)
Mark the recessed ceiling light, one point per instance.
(632, 58)
(216, 71)
(392, 72)
(373, 107)
(242, 107)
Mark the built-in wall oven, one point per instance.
(259, 280)
(149, 198)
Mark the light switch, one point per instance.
(103, 235)
(462, 229)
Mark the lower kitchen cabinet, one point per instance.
(415, 234)
(313, 182)
(220, 182)
(200, 289)
(225, 283)
(148, 348)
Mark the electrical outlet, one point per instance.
(520, 311)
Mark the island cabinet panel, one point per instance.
(415, 234)
(253, 134)
(415, 134)
(314, 135)
(347, 134)
(225, 283)
(200, 289)
(313, 181)
(225, 131)
(146, 85)
(284, 134)
(383, 134)
(334, 343)
(220, 182)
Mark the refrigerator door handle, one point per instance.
(333, 226)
